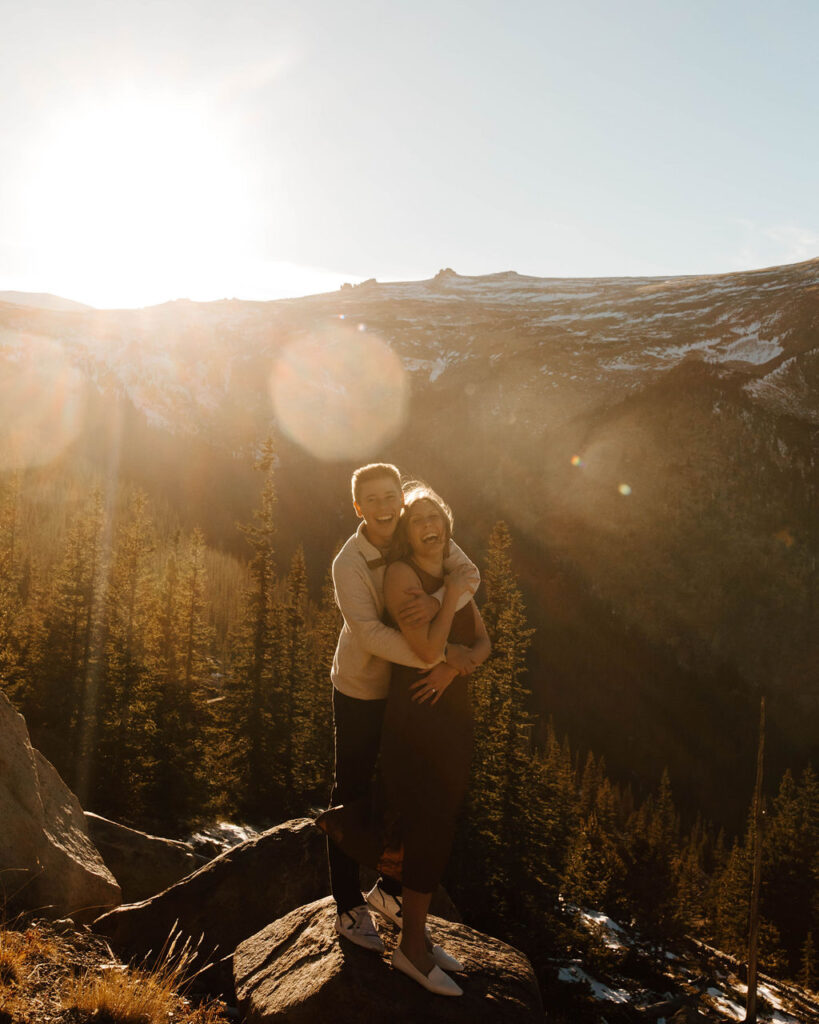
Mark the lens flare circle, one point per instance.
(42, 403)
(340, 393)
(625, 490)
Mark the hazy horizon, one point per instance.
(328, 291)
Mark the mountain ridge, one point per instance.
(653, 439)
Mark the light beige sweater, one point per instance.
(366, 646)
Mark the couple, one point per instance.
(405, 592)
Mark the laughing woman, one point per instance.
(426, 744)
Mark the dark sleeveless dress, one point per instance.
(407, 829)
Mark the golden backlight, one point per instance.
(136, 191)
(42, 403)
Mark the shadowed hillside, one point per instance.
(651, 443)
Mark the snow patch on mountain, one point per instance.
(749, 349)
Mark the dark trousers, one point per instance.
(357, 730)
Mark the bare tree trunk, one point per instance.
(753, 931)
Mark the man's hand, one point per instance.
(467, 574)
(461, 579)
(418, 609)
(460, 658)
(432, 685)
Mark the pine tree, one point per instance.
(807, 966)
(652, 854)
(690, 879)
(291, 656)
(67, 658)
(734, 887)
(13, 677)
(129, 697)
(500, 814)
(182, 666)
(595, 870)
(317, 757)
(790, 891)
(247, 726)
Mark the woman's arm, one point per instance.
(428, 639)
(433, 685)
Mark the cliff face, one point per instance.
(651, 443)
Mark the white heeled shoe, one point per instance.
(436, 981)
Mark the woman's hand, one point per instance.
(460, 580)
(430, 687)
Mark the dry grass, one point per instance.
(21, 956)
(72, 978)
(134, 997)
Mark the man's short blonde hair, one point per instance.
(370, 472)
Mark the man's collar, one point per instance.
(372, 556)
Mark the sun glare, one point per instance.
(139, 190)
(42, 403)
(341, 393)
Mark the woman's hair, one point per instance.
(415, 491)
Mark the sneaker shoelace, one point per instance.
(362, 922)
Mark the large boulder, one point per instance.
(230, 897)
(48, 862)
(237, 893)
(143, 865)
(298, 970)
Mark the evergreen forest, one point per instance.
(173, 684)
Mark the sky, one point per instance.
(159, 149)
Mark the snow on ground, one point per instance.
(725, 1005)
(575, 975)
(733, 1005)
(778, 1014)
(615, 935)
(223, 834)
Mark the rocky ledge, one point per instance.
(298, 970)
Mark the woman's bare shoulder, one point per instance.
(399, 573)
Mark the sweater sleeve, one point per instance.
(355, 600)
(457, 557)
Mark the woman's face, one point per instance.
(426, 529)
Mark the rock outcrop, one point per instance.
(230, 897)
(237, 893)
(297, 969)
(48, 862)
(144, 865)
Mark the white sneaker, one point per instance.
(385, 904)
(357, 926)
(389, 907)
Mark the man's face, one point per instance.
(379, 504)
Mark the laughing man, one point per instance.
(361, 676)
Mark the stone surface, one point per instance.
(237, 893)
(48, 862)
(143, 865)
(230, 897)
(298, 970)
